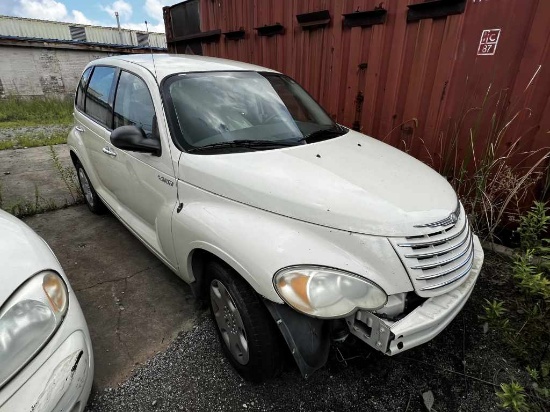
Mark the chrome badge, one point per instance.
(449, 220)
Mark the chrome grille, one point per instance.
(438, 261)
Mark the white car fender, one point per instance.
(265, 242)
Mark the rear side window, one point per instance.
(133, 104)
(81, 89)
(97, 95)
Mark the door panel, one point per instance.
(95, 124)
(143, 184)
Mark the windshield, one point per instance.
(209, 109)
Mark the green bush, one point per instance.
(512, 396)
(524, 319)
(533, 225)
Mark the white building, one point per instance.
(46, 58)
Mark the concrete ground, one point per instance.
(26, 173)
(133, 304)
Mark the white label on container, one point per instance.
(488, 43)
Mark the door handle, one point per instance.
(108, 151)
(79, 129)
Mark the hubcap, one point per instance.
(86, 187)
(229, 321)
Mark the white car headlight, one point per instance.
(327, 293)
(28, 319)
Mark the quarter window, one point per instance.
(81, 89)
(97, 94)
(133, 104)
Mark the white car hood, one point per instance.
(353, 183)
(22, 254)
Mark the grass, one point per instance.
(18, 112)
(482, 156)
(32, 207)
(34, 140)
(68, 175)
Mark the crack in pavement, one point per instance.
(118, 302)
(117, 279)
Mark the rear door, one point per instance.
(93, 121)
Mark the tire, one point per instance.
(247, 332)
(91, 198)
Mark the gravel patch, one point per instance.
(15, 132)
(193, 375)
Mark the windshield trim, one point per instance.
(173, 126)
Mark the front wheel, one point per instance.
(247, 332)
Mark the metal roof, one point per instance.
(54, 31)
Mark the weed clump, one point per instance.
(34, 140)
(524, 321)
(17, 111)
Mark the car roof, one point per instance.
(163, 65)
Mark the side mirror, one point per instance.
(133, 138)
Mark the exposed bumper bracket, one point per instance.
(423, 323)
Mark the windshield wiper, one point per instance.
(323, 134)
(253, 144)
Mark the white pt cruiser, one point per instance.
(290, 225)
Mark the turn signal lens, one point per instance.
(56, 292)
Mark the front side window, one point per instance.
(97, 95)
(213, 108)
(81, 89)
(133, 104)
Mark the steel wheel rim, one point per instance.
(229, 322)
(86, 187)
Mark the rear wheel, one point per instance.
(91, 198)
(247, 332)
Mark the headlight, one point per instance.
(327, 293)
(28, 319)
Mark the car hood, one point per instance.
(353, 183)
(22, 254)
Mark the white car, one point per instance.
(46, 361)
(290, 225)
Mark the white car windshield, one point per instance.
(214, 109)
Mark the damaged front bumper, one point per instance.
(422, 324)
(60, 376)
(62, 383)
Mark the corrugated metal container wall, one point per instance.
(414, 76)
(12, 26)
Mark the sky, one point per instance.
(132, 13)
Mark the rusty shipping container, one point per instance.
(416, 74)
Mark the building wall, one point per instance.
(29, 71)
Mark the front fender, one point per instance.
(256, 244)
